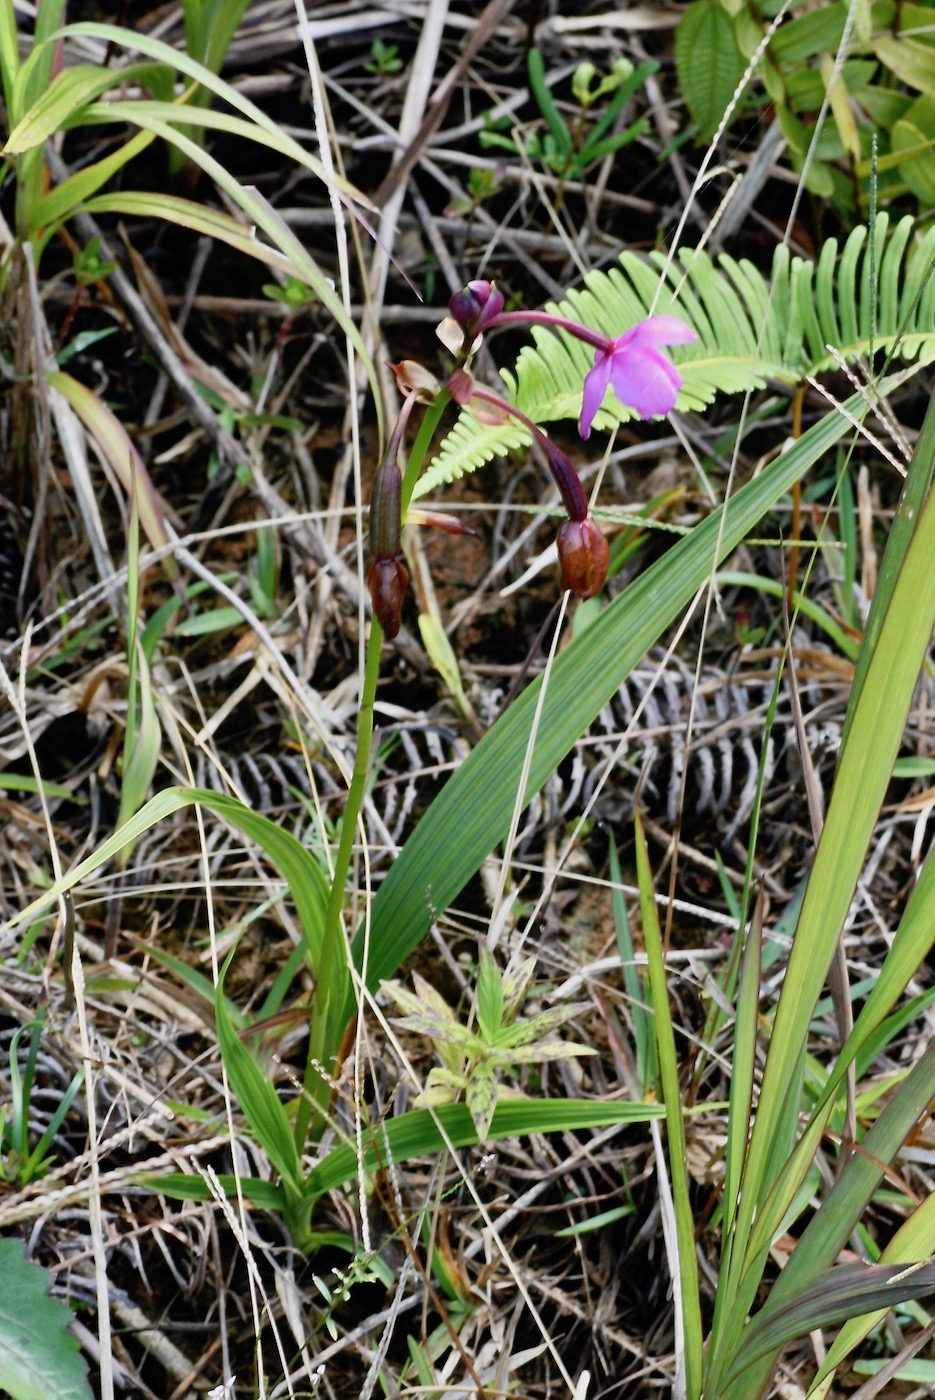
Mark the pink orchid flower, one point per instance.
(642, 377)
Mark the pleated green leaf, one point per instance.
(708, 62)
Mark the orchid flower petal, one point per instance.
(659, 330)
(595, 386)
(645, 381)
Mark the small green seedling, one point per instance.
(483, 182)
(384, 60)
(295, 294)
(473, 1059)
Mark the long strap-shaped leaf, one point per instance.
(876, 721)
(472, 813)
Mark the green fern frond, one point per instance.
(750, 330)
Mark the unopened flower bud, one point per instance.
(461, 387)
(388, 580)
(385, 511)
(567, 480)
(387, 577)
(584, 555)
(475, 306)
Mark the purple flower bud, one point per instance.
(583, 554)
(388, 580)
(475, 306)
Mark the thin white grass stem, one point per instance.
(670, 1237)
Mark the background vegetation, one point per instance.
(539, 1001)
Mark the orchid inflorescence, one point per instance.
(632, 364)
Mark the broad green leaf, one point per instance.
(423, 1133)
(912, 139)
(9, 55)
(39, 1358)
(807, 35)
(910, 58)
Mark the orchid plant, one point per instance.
(633, 364)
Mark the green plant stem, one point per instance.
(333, 972)
(420, 447)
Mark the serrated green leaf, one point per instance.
(708, 62)
(39, 1358)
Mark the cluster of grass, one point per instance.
(243, 830)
